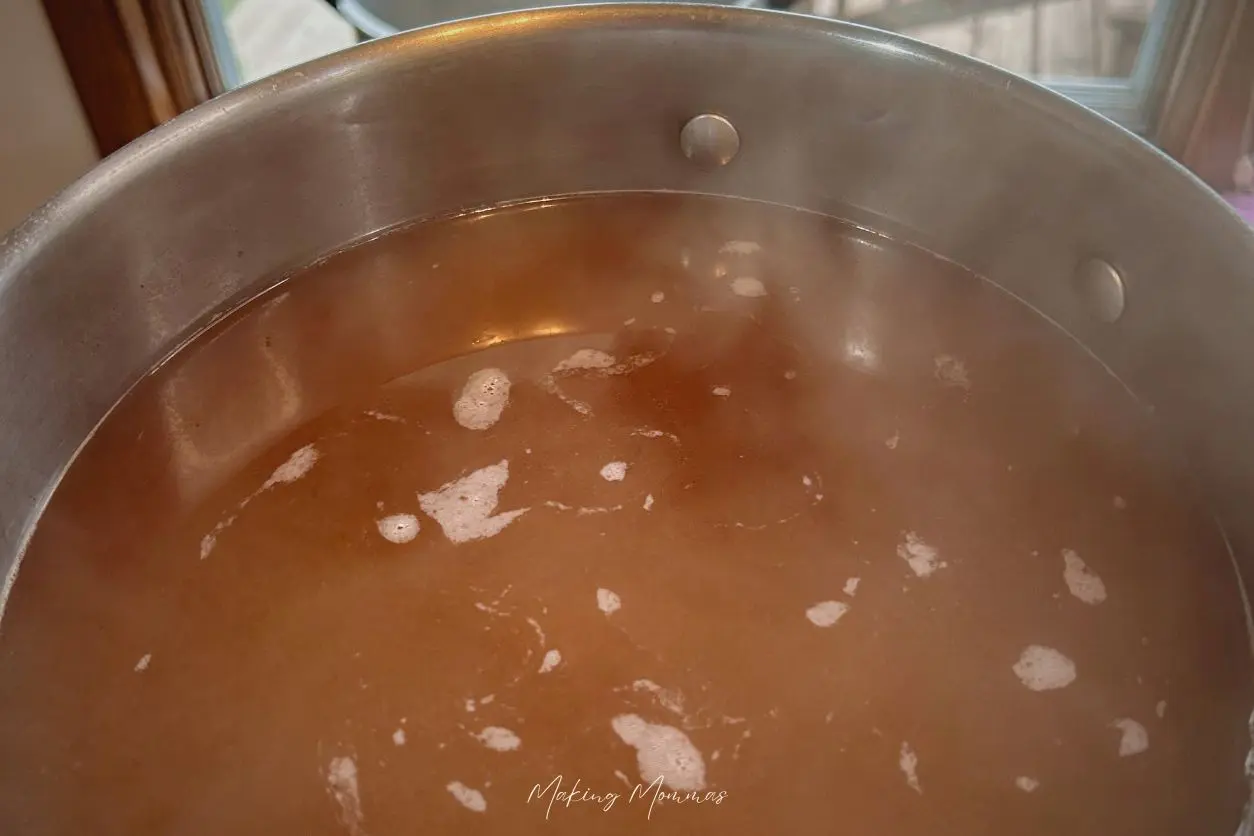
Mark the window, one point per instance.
(253, 38)
(1180, 72)
(1107, 54)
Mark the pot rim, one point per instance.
(89, 192)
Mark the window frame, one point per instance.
(1133, 102)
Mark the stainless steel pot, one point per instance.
(1123, 249)
(381, 18)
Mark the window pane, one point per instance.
(1046, 38)
(1104, 53)
(255, 38)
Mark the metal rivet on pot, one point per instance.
(709, 140)
(1101, 287)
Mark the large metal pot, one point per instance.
(1119, 246)
(381, 18)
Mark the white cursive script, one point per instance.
(654, 792)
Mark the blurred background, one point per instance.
(87, 76)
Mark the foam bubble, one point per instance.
(142, 664)
(483, 399)
(469, 798)
(923, 558)
(608, 601)
(1044, 669)
(952, 372)
(614, 472)
(552, 659)
(662, 752)
(1134, 738)
(909, 764)
(296, 466)
(499, 739)
(658, 296)
(721, 392)
(586, 358)
(672, 701)
(342, 787)
(748, 286)
(1027, 784)
(398, 528)
(463, 507)
(1082, 581)
(398, 737)
(648, 502)
(826, 613)
(851, 586)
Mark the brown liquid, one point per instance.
(304, 636)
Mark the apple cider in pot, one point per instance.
(626, 514)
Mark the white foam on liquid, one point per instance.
(1082, 581)
(740, 247)
(539, 631)
(748, 287)
(142, 664)
(210, 540)
(398, 737)
(951, 371)
(657, 296)
(662, 752)
(614, 472)
(552, 659)
(672, 701)
(297, 465)
(1133, 740)
(1042, 668)
(384, 416)
(923, 558)
(608, 601)
(583, 510)
(398, 528)
(463, 507)
(851, 586)
(469, 798)
(586, 358)
(342, 787)
(592, 362)
(1027, 784)
(721, 392)
(648, 502)
(909, 764)
(499, 739)
(826, 613)
(1161, 709)
(483, 399)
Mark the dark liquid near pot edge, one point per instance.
(211, 633)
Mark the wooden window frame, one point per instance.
(134, 63)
